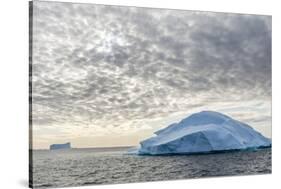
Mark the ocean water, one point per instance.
(76, 167)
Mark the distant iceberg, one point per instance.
(203, 132)
(60, 146)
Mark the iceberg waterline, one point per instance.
(203, 132)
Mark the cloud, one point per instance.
(102, 66)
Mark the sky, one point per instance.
(106, 76)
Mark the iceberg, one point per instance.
(60, 146)
(203, 132)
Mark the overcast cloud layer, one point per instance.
(103, 72)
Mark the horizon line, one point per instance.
(30, 149)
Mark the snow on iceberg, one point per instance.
(203, 132)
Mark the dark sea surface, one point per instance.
(76, 167)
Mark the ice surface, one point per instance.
(203, 132)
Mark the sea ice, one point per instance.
(203, 132)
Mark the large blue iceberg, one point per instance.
(203, 132)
